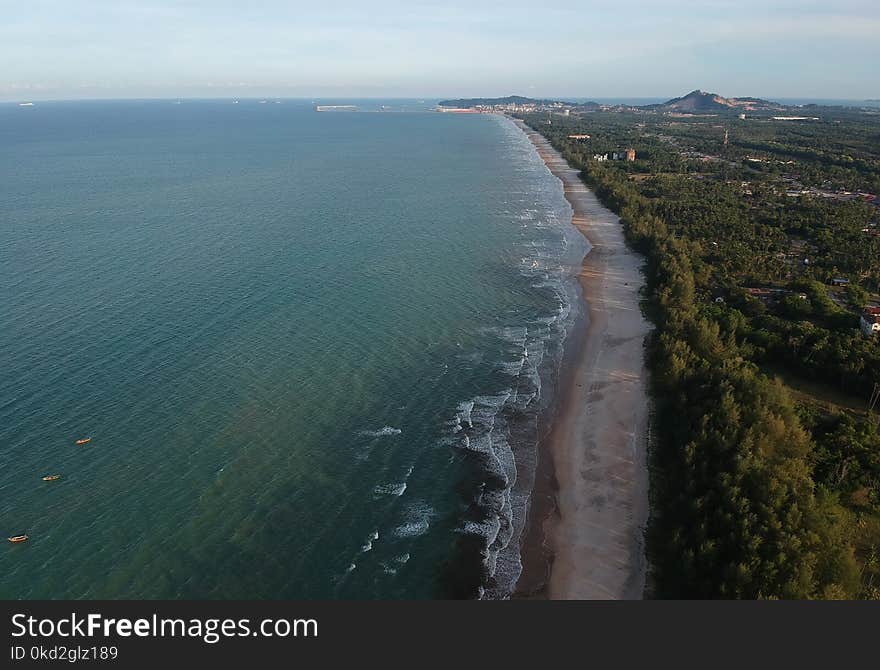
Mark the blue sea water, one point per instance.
(312, 350)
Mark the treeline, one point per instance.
(738, 511)
(749, 234)
(739, 514)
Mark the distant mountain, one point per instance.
(698, 101)
(694, 102)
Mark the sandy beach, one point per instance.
(584, 538)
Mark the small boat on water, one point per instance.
(15, 539)
(51, 478)
(85, 440)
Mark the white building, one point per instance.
(869, 323)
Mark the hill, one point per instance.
(698, 101)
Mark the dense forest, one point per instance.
(761, 247)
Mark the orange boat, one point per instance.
(17, 538)
(85, 440)
(51, 478)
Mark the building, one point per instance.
(628, 155)
(839, 281)
(579, 138)
(760, 293)
(869, 323)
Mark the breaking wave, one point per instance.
(385, 431)
(500, 431)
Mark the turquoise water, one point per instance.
(308, 347)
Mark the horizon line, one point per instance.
(559, 98)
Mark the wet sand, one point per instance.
(585, 531)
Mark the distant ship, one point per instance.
(25, 104)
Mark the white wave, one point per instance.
(385, 431)
(456, 424)
(389, 490)
(489, 436)
(417, 521)
(513, 368)
(464, 413)
(412, 529)
(391, 567)
(369, 543)
(487, 529)
(393, 489)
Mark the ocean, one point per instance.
(314, 352)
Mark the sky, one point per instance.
(72, 49)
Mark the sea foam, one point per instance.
(385, 431)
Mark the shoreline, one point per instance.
(584, 534)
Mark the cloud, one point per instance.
(134, 47)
